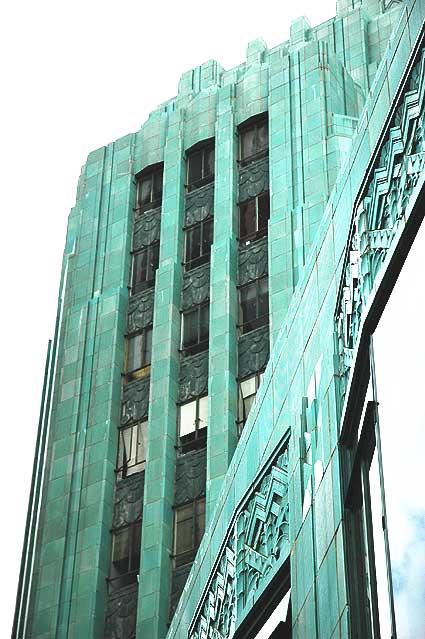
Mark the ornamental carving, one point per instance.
(193, 379)
(199, 204)
(253, 351)
(380, 212)
(190, 476)
(135, 401)
(256, 546)
(121, 613)
(140, 310)
(128, 502)
(253, 262)
(147, 228)
(253, 179)
(196, 287)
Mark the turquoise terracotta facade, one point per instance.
(331, 94)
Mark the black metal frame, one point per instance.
(117, 582)
(253, 123)
(146, 174)
(203, 258)
(203, 147)
(187, 557)
(200, 345)
(199, 438)
(147, 283)
(122, 469)
(245, 240)
(260, 320)
(240, 422)
(144, 369)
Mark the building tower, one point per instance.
(202, 455)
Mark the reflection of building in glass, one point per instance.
(223, 451)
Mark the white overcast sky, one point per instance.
(75, 76)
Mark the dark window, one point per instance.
(253, 218)
(132, 449)
(254, 139)
(189, 528)
(145, 263)
(254, 304)
(192, 424)
(149, 190)
(125, 558)
(200, 166)
(196, 329)
(198, 240)
(247, 391)
(139, 352)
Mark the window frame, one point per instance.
(241, 408)
(200, 345)
(197, 438)
(259, 320)
(144, 369)
(254, 124)
(149, 282)
(202, 258)
(150, 173)
(245, 240)
(204, 148)
(130, 576)
(122, 465)
(186, 557)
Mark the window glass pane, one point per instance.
(200, 522)
(187, 418)
(157, 185)
(190, 328)
(135, 547)
(262, 136)
(124, 453)
(134, 357)
(248, 386)
(194, 167)
(247, 223)
(249, 303)
(247, 141)
(209, 162)
(147, 354)
(184, 529)
(204, 323)
(203, 412)
(263, 210)
(207, 235)
(193, 243)
(153, 261)
(139, 269)
(248, 402)
(263, 297)
(120, 551)
(141, 442)
(145, 190)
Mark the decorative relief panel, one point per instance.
(253, 351)
(190, 476)
(253, 179)
(121, 613)
(196, 286)
(193, 379)
(199, 204)
(257, 544)
(128, 502)
(380, 212)
(253, 261)
(140, 310)
(147, 228)
(135, 400)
